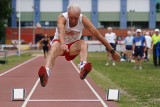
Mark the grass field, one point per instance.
(15, 60)
(138, 88)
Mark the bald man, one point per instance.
(67, 42)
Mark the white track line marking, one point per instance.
(89, 85)
(30, 94)
(17, 67)
(64, 100)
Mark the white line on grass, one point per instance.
(64, 100)
(89, 85)
(16, 67)
(30, 94)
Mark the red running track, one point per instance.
(64, 88)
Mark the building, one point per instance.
(103, 13)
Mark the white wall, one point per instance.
(85, 5)
(25, 5)
(96, 48)
(138, 5)
(50, 5)
(109, 5)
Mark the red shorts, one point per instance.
(66, 54)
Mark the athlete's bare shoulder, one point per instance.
(61, 19)
(87, 23)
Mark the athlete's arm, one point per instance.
(61, 31)
(61, 28)
(40, 41)
(87, 24)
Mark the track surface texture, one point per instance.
(64, 88)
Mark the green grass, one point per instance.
(15, 60)
(138, 88)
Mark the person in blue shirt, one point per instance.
(139, 45)
(128, 41)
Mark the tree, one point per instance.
(5, 12)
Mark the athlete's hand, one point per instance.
(64, 47)
(116, 56)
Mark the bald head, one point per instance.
(109, 29)
(74, 8)
(129, 33)
(74, 12)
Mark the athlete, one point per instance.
(67, 42)
(45, 42)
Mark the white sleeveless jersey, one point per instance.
(71, 34)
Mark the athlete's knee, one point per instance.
(55, 49)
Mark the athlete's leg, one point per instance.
(54, 52)
(79, 47)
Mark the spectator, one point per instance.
(148, 46)
(123, 56)
(111, 38)
(30, 45)
(128, 41)
(155, 40)
(138, 49)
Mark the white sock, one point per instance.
(48, 71)
(82, 64)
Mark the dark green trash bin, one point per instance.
(3, 57)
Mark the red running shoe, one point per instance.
(43, 76)
(85, 70)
